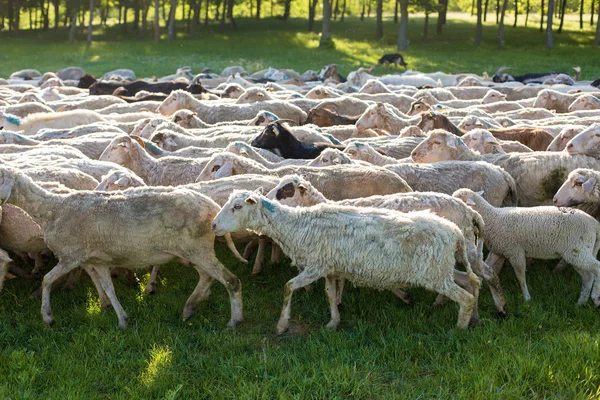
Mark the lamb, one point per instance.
(392, 262)
(543, 233)
(585, 102)
(294, 191)
(538, 175)
(484, 142)
(586, 143)
(360, 181)
(167, 171)
(560, 141)
(228, 112)
(68, 119)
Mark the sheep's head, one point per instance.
(263, 118)
(328, 71)
(482, 141)
(120, 148)
(268, 138)
(560, 141)
(439, 146)
(428, 121)
(373, 117)
(233, 91)
(493, 96)
(240, 148)
(220, 166)
(585, 102)
(318, 93)
(8, 137)
(31, 98)
(468, 81)
(580, 187)
(119, 180)
(165, 140)
(374, 86)
(177, 100)
(253, 95)
(182, 117)
(587, 142)
(293, 191)
(471, 122)
(419, 106)
(329, 157)
(471, 198)
(546, 99)
(360, 151)
(241, 211)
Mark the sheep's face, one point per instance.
(428, 121)
(165, 141)
(373, 117)
(358, 151)
(232, 92)
(470, 123)
(254, 95)
(219, 167)
(373, 87)
(118, 151)
(468, 81)
(577, 189)
(418, 107)
(585, 143)
(493, 96)
(172, 103)
(31, 98)
(330, 157)
(268, 138)
(116, 181)
(291, 191)
(263, 118)
(468, 196)
(139, 127)
(586, 102)
(317, 93)
(50, 94)
(480, 140)
(560, 141)
(239, 212)
(439, 146)
(545, 99)
(7, 180)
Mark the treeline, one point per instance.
(147, 17)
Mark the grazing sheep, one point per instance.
(514, 233)
(180, 217)
(383, 251)
(292, 190)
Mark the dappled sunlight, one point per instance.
(161, 358)
(92, 303)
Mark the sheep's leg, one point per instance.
(39, 263)
(102, 274)
(72, 279)
(306, 277)
(250, 248)
(104, 300)
(3, 272)
(332, 298)
(561, 266)
(495, 261)
(339, 289)
(519, 265)
(275, 254)
(200, 293)
(206, 261)
(464, 281)
(63, 267)
(493, 281)
(402, 295)
(152, 281)
(260, 255)
(465, 300)
(587, 281)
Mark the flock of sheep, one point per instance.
(390, 182)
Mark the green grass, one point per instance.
(382, 349)
(271, 42)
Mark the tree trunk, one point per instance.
(46, 15)
(485, 11)
(542, 17)
(516, 13)
(592, 14)
(479, 27)
(325, 40)
(171, 26)
(258, 9)
(56, 13)
(145, 11)
(396, 6)
(336, 10)
(196, 19)
(562, 16)
(549, 39)
(189, 17)
(73, 26)
(472, 7)
(527, 13)
(17, 18)
(230, 14)
(136, 15)
(441, 15)
(286, 9)
(125, 18)
(156, 22)
(89, 34)
(597, 38)
(426, 25)
(403, 28)
(379, 28)
(206, 12)
(369, 9)
(362, 13)
(343, 11)
(581, 15)
(501, 26)
(312, 5)
(224, 3)
(497, 12)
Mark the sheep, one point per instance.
(582, 186)
(553, 100)
(4, 263)
(493, 96)
(399, 101)
(331, 157)
(585, 102)
(384, 116)
(325, 117)
(515, 233)
(365, 152)
(359, 181)
(257, 154)
(253, 95)
(586, 142)
(321, 92)
(172, 141)
(560, 141)
(470, 122)
(292, 190)
(537, 175)
(373, 86)
(393, 260)
(31, 124)
(484, 142)
(88, 103)
(228, 112)
(119, 180)
(167, 171)
(23, 110)
(181, 217)
(399, 148)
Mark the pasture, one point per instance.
(547, 348)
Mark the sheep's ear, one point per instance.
(244, 153)
(553, 97)
(470, 202)
(124, 144)
(301, 188)
(139, 140)
(451, 142)
(122, 181)
(588, 185)
(259, 190)
(479, 193)
(489, 139)
(225, 170)
(251, 200)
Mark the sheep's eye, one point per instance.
(578, 183)
(216, 168)
(237, 207)
(352, 152)
(597, 135)
(436, 142)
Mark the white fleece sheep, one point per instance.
(31, 124)
(367, 246)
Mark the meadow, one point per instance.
(547, 348)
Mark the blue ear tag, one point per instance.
(270, 114)
(267, 205)
(13, 119)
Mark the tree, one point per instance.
(379, 30)
(501, 25)
(442, 10)
(516, 13)
(89, 33)
(549, 39)
(156, 22)
(171, 26)
(325, 40)
(403, 28)
(312, 5)
(479, 28)
(562, 16)
(597, 37)
(542, 17)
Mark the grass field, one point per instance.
(548, 348)
(272, 42)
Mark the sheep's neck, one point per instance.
(275, 221)
(141, 163)
(34, 200)
(288, 144)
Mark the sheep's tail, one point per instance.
(233, 249)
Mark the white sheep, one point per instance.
(383, 249)
(585, 102)
(484, 142)
(560, 141)
(514, 233)
(581, 187)
(31, 124)
(586, 142)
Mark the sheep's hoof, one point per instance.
(151, 289)
(48, 320)
(332, 325)
(123, 324)
(255, 272)
(282, 329)
(233, 323)
(188, 312)
(502, 314)
(474, 320)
